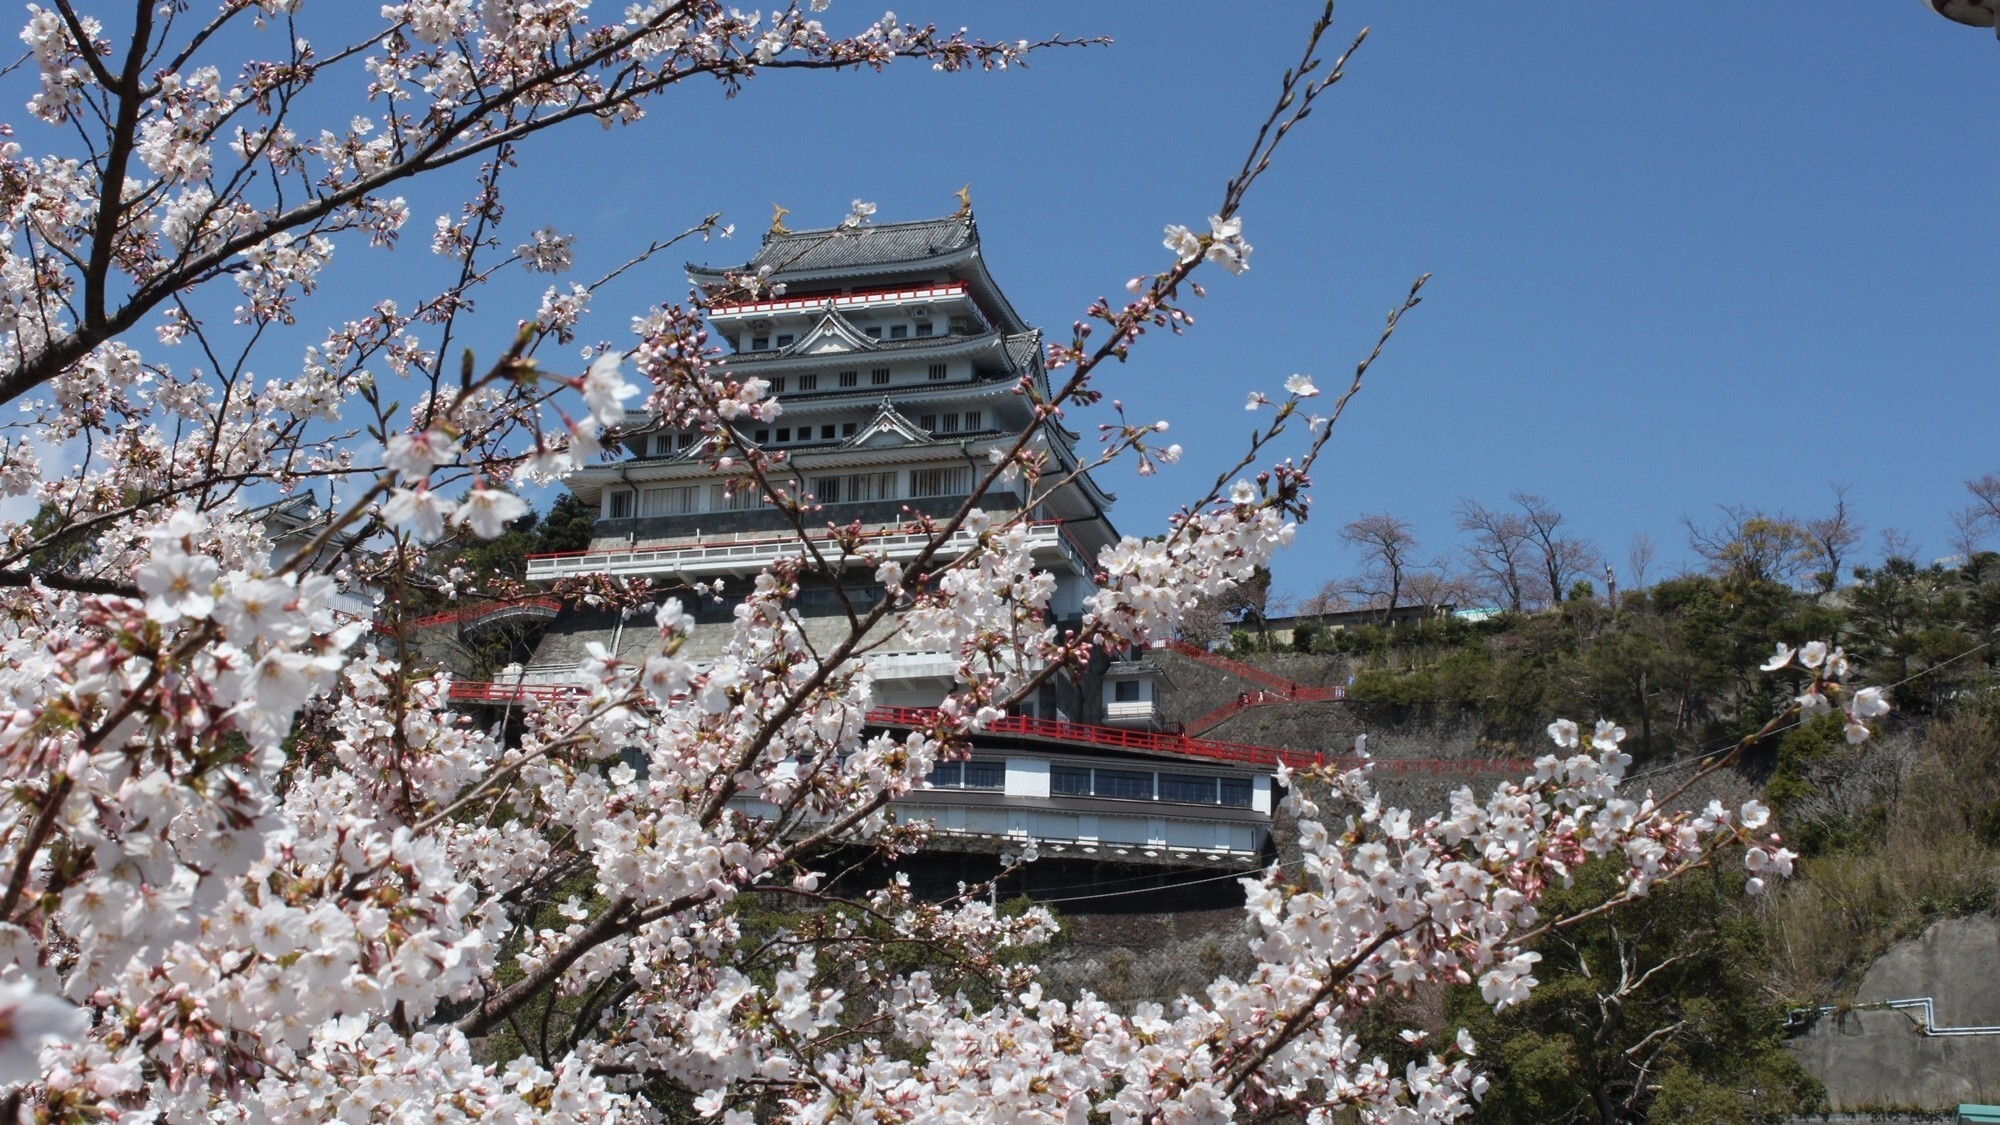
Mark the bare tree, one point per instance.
(1968, 532)
(1388, 546)
(1986, 496)
(1971, 525)
(1830, 539)
(1331, 598)
(1498, 552)
(1639, 558)
(1437, 586)
(1751, 545)
(1897, 544)
(1563, 558)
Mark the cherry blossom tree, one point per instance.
(256, 867)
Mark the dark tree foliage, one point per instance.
(1648, 1012)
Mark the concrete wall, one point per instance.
(1879, 1059)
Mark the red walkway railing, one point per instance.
(470, 614)
(488, 691)
(1242, 752)
(1075, 734)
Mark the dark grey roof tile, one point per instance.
(833, 248)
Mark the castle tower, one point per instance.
(898, 362)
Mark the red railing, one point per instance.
(1089, 735)
(474, 613)
(1234, 667)
(488, 691)
(1076, 734)
(1231, 709)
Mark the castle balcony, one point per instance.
(1140, 713)
(1048, 539)
(951, 293)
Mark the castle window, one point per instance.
(850, 378)
(973, 420)
(809, 382)
(621, 504)
(785, 341)
(899, 332)
(667, 501)
(858, 487)
(1129, 785)
(985, 775)
(1187, 788)
(849, 429)
(785, 434)
(1236, 792)
(950, 424)
(1069, 781)
(924, 329)
(927, 421)
(874, 333)
(763, 436)
(760, 343)
(737, 496)
(969, 775)
(684, 441)
(827, 489)
(879, 376)
(938, 372)
(777, 384)
(826, 432)
(1125, 691)
(940, 482)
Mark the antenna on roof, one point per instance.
(964, 195)
(778, 213)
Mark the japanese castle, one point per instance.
(900, 366)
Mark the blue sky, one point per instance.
(1683, 254)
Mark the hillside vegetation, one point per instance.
(1894, 833)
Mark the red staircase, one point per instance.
(1277, 689)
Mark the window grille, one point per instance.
(1188, 788)
(1069, 781)
(1126, 784)
(940, 482)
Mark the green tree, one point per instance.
(1648, 1012)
